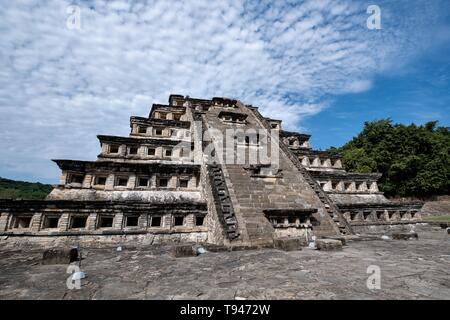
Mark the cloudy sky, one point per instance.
(313, 64)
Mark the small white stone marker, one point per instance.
(78, 275)
(201, 250)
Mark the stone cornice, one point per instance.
(160, 122)
(343, 175)
(165, 107)
(135, 167)
(34, 205)
(316, 153)
(139, 141)
(237, 115)
(417, 205)
(290, 212)
(301, 136)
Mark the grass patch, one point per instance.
(437, 218)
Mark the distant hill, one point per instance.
(11, 189)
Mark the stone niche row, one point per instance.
(130, 181)
(381, 215)
(321, 163)
(294, 142)
(290, 222)
(147, 152)
(85, 221)
(170, 115)
(348, 186)
(160, 131)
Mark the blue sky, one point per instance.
(418, 95)
(314, 64)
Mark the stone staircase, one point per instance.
(243, 196)
(222, 201)
(332, 210)
(251, 200)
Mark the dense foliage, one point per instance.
(10, 189)
(414, 160)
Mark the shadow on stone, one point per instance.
(405, 235)
(182, 250)
(60, 256)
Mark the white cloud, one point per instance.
(358, 86)
(61, 87)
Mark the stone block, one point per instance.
(183, 250)
(215, 248)
(288, 243)
(342, 239)
(405, 236)
(59, 256)
(328, 244)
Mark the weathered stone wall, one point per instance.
(28, 221)
(358, 198)
(386, 229)
(90, 240)
(304, 233)
(144, 196)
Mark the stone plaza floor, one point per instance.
(409, 269)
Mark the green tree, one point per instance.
(10, 189)
(414, 160)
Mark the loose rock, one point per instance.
(288, 244)
(328, 244)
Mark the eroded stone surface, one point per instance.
(328, 244)
(404, 235)
(289, 244)
(409, 270)
(60, 256)
(183, 250)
